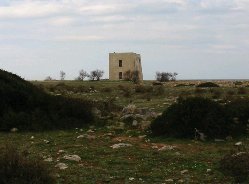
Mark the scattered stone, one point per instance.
(238, 144)
(72, 158)
(90, 137)
(50, 159)
(154, 147)
(177, 154)
(181, 181)
(14, 130)
(32, 137)
(61, 166)
(120, 145)
(90, 131)
(109, 134)
(131, 179)
(142, 136)
(81, 130)
(61, 151)
(219, 140)
(169, 180)
(184, 171)
(134, 123)
(46, 141)
(167, 148)
(209, 170)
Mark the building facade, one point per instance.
(120, 63)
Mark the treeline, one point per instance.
(93, 75)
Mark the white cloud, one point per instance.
(79, 38)
(28, 9)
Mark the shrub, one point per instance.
(242, 91)
(207, 85)
(27, 107)
(159, 90)
(143, 89)
(199, 91)
(182, 118)
(107, 90)
(16, 168)
(127, 93)
(216, 93)
(236, 165)
(230, 93)
(238, 112)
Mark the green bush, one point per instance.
(242, 91)
(16, 168)
(182, 118)
(238, 112)
(26, 107)
(159, 90)
(216, 93)
(199, 91)
(143, 89)
(207, 85)
(236, 165)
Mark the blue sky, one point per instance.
(199, 39)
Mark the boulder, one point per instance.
(120, 145)
(72, 158)
(61, 166)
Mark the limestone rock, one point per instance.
(14, 130)
(134, 123)
(61, 166)
(120, 145)
(167, 148)
(238, 144)
(184, 171)
(89, 137)
(72, 158)
(50, 159)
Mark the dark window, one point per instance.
(120, 75)
(120, 63)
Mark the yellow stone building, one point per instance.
(120, 63)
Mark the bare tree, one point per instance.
(82, 75)
(132, 76)
(96, 74)
(62, 75)
(128, 75)
(48, 78)
(166, 76)
(135, 77)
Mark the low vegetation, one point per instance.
(208, 85)
(26, 107)
(144, 158)
(196, 115)
(15, 168)
(236, 164)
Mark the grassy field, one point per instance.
(146, 159)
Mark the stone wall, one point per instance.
(130, 61)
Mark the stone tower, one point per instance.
(120, 63)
